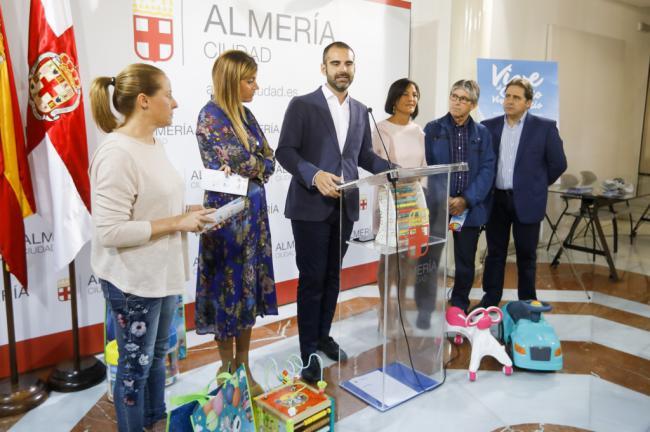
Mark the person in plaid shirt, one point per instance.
(455, 138)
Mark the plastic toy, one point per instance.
(530, 339)
(476, 328)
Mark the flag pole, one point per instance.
(11, 329)
(75, 319)
(17, 394)
(79, 373)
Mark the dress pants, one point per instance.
(526, 237)
(426, 279)
(319, 254)
(465, 243)
(427, 274)
(394, 292)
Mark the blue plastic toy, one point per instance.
(529, 338)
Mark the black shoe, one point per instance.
(332, 350)
(476, 306)
(311, 374)
(482, 304)
(423, 321)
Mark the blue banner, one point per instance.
(494, 74)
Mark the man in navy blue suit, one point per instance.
(325, 136)
(530, 157)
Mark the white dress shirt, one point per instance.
(340, 113)
(510, 137)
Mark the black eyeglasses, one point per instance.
(462, 99)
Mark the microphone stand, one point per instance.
(383, 144)
(393, 182)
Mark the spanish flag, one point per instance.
(16, 196)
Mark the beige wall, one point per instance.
(593, 89)
(430, 52)
(601, 104)
(644, 164)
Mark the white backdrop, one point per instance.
(286, 37)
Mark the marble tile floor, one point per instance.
(604, 386)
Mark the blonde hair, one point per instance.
(229, 69)
(129, 83)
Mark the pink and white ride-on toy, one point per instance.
(476, 328)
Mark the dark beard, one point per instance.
(339, 87)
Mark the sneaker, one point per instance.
(332, 350)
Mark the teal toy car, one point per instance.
(529, 338)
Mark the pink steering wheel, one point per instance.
(483, 318)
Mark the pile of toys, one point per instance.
(529, 341)
(293, 406)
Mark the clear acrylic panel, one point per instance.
(393, 332)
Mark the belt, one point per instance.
(504, 191)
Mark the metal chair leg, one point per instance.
(629, 216)
(614, 227)
(642, 218)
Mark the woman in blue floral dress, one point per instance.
(235, 281)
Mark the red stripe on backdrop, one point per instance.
(353, 277)
(397, 3)
(51, 349)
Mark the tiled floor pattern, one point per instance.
(605, 384)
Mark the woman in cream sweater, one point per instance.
(139, 247)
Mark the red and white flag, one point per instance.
(56, 129)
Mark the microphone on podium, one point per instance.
(390, 162)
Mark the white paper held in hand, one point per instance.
(217, 181)
(225, 212)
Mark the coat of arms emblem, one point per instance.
(54, 86)
(153, 29)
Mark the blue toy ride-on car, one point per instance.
(529, 338)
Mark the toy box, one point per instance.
(295, 407)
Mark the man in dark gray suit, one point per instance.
(325, 137)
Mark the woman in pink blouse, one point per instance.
(404, 141)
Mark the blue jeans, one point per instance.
(142, 332)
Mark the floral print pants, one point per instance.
(142, 332)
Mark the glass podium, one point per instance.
(393, 333)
